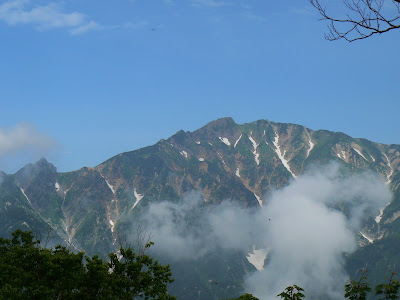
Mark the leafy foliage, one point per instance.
(30, 271)
(246, 297)
(357, 290)
(388, 290)
(354, 290)
(292, 292)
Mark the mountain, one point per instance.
(92, 208)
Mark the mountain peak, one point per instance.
(222, 123)
(42, 166)
(42, 162)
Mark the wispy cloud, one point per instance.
(252, 16)
(24, 138)
(85, 28)
(45, 17)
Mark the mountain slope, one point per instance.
(92, 208)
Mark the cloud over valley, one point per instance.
(307, 227)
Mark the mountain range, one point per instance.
(90, 209)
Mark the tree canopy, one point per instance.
(30, 271)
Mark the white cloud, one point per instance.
(300, 224)
(45, 17)
(252, 16)
(22, 139)
(85, 28)
(308, 236)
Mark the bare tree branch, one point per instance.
(363, 19)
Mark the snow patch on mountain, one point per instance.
(112, 225)
(381, 210)
(367, 237)
(342, 155)
(255, 145)
(282, 155)
(221, 158)
(184, 153)
(311, 147)
(225, 141)
(238, 172)
(201, 159)
(23, 192)
(137, 195)
(258, 199)
(359, 153)
(57, 186)
(198, 143)
(237, 141)
(257, 258)
(138, 198)
(378, 218)
(389, 180)
(109, 185)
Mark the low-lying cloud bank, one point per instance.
(301, 225)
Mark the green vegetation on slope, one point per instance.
(30, 271)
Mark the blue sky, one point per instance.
(82, 81)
